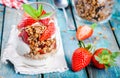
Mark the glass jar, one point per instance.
(34, 43)
(98, 11)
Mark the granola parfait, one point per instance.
(37, 31)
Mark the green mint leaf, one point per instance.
(40, 9)
(93, 26)
(30, 10)
(46, 15)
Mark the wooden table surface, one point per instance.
(108, 39)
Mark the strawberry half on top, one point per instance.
(48, 32)
(84, 32)
(33, 15)
(80, 58)
(26, 21)
(104, 58)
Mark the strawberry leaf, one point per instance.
(104, 52)
(115, 54)
(106, 66)
(88, 47)
(93, 26)
(45, 15)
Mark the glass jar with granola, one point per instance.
(37, 31)
(98, 11)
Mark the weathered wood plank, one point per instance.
(1, 21)
(116, 28)
(115, 21)
(7, 70)
(69, 45)
(102, 37)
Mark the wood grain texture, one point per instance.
(1, 22)
(102, 37)
(7, 70)
(69, 43)
(115, 21)
(115, 24)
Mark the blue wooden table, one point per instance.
(109, 38)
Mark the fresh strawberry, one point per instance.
(41, 51)
(43, 12)
(80, 59)
(45, 21)
(48, 32)
(24, 36)
(84, 32)
(26, 15)
(104, 58)
(25, 22)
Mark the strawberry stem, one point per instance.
(93, 26)
(81, 44)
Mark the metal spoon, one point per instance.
(62, 4)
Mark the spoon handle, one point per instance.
(67, 22)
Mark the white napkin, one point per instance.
(54, 63)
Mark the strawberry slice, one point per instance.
(25, 22)
(41, 51)
(24, 36)
(43, 12)
(84, 32)
(48, 32)
(45, 21)
(26, 15)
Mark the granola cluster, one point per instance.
(38, 47)
(94, 10)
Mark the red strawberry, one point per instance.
(25, 22)
(41, 51)
(103, 58)
(26, 15)
(84, 32)
(24, 36)
(45, 21)
(43, 12)
(48, 32)
(80, 59)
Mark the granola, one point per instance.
(94, 10)
(38, 47)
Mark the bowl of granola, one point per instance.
(98, 11)
(37, 31)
